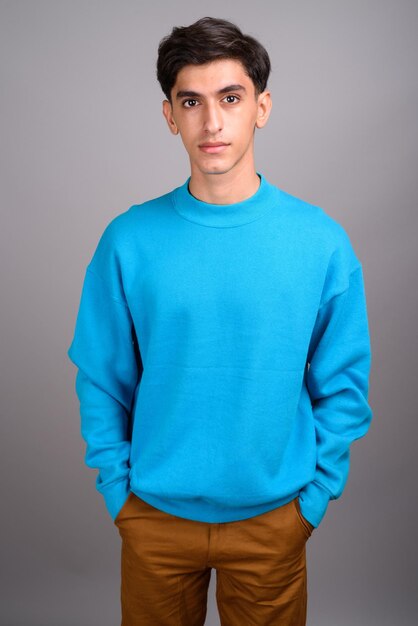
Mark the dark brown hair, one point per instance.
(207, 40)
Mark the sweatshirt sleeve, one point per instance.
(337, 380)
(105, 350)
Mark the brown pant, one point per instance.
(166, 563)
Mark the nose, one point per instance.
(213, 122)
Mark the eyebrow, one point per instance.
(192, 94)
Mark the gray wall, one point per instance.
(83, 138)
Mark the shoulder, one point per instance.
(123, 230)
(321, 230)
(325, 241)
(121, 224)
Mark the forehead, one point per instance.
(209, 77)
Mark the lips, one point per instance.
(215, 143)
(213, 147)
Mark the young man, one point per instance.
(223, 352)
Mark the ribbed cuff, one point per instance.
(313, 500)
(115, 496)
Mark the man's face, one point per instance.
(202, 114)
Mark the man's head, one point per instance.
(214, 78)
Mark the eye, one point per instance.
(189, 100)
(233, 96)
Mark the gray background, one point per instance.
(82, 139)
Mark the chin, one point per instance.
(214, 168)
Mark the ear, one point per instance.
(168, 114)
(264, 106)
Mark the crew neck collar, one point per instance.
(224, 215)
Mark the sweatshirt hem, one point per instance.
(201, 510)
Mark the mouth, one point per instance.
(213, 148)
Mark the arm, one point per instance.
(105, 350)
(337, 380)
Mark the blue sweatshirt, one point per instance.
(223, 356)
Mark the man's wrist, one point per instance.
(115, 495)
(313, 501)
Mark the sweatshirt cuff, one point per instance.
(115, 496)
(313, 500)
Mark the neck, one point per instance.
(226, 188)
(249, 208)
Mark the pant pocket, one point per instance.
(122, 510)
(307, 526)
